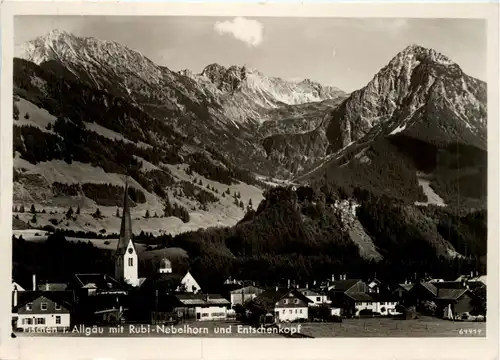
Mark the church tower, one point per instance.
(126, 260)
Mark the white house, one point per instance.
(316, 297)
(202, 307)
(49, 311)
(284, 304)
(189, 284)
(376, 302)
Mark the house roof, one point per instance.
(458, 284)
(481, 278)
(190, 299)
(406, 287)
(63, 298)
(431, 287)
(247, 290)
(309, 292)
(162, 281)
(17, 286)
(360, 296)
(53, 287)
(101, 282)
(270, 297)
(451, 294)
(343, 285)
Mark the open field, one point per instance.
(371, 327)
(390, 327)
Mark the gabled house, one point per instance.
(454, 303)
(421, 292)
(202, 307)
(401, 291)
(316, 297)
(99, 299)
(339, 290)
(381, 303)
(282, 304)
(42, 310)
(243, 295)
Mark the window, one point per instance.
(296, 301)
(296, 311)
(300, 311)
(58, 319)
(29, 306)
(58, 307)
(318, 298)
(284, 311)
(130, 262)
(27, 321)
(204, 315)
(40, 321)
(43, 306)
(291, 312)
(383, 303)
(285, 301)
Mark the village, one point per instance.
(173, 303)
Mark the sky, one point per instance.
(344, 52)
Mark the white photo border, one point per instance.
(34, 348)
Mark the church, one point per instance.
(125, 296)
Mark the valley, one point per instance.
(235, 168)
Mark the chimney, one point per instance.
(207, 297)
(34, 282)
(314, 283)
(14, 299)
(378, 290)
(333, 277)
(307, 285)
(471, 274)
(289, 283)
(276, 288)
(477, 273)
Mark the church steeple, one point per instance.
(126, 264)
(126, 225)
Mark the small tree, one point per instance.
(32, 209)
(97, 214)
(78, 210)
(223, 194)
(34, 219)
(250, 205)
(26, 116)
(147, 214)
(242, 205)
(69, 213)
(117, 212)
(228, 191)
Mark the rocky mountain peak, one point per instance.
(90, 54)
(408, 83)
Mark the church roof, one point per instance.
(126, 233)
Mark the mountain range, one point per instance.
(205, 150)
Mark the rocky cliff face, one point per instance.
(409, 91)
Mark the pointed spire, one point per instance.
(126, 225)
